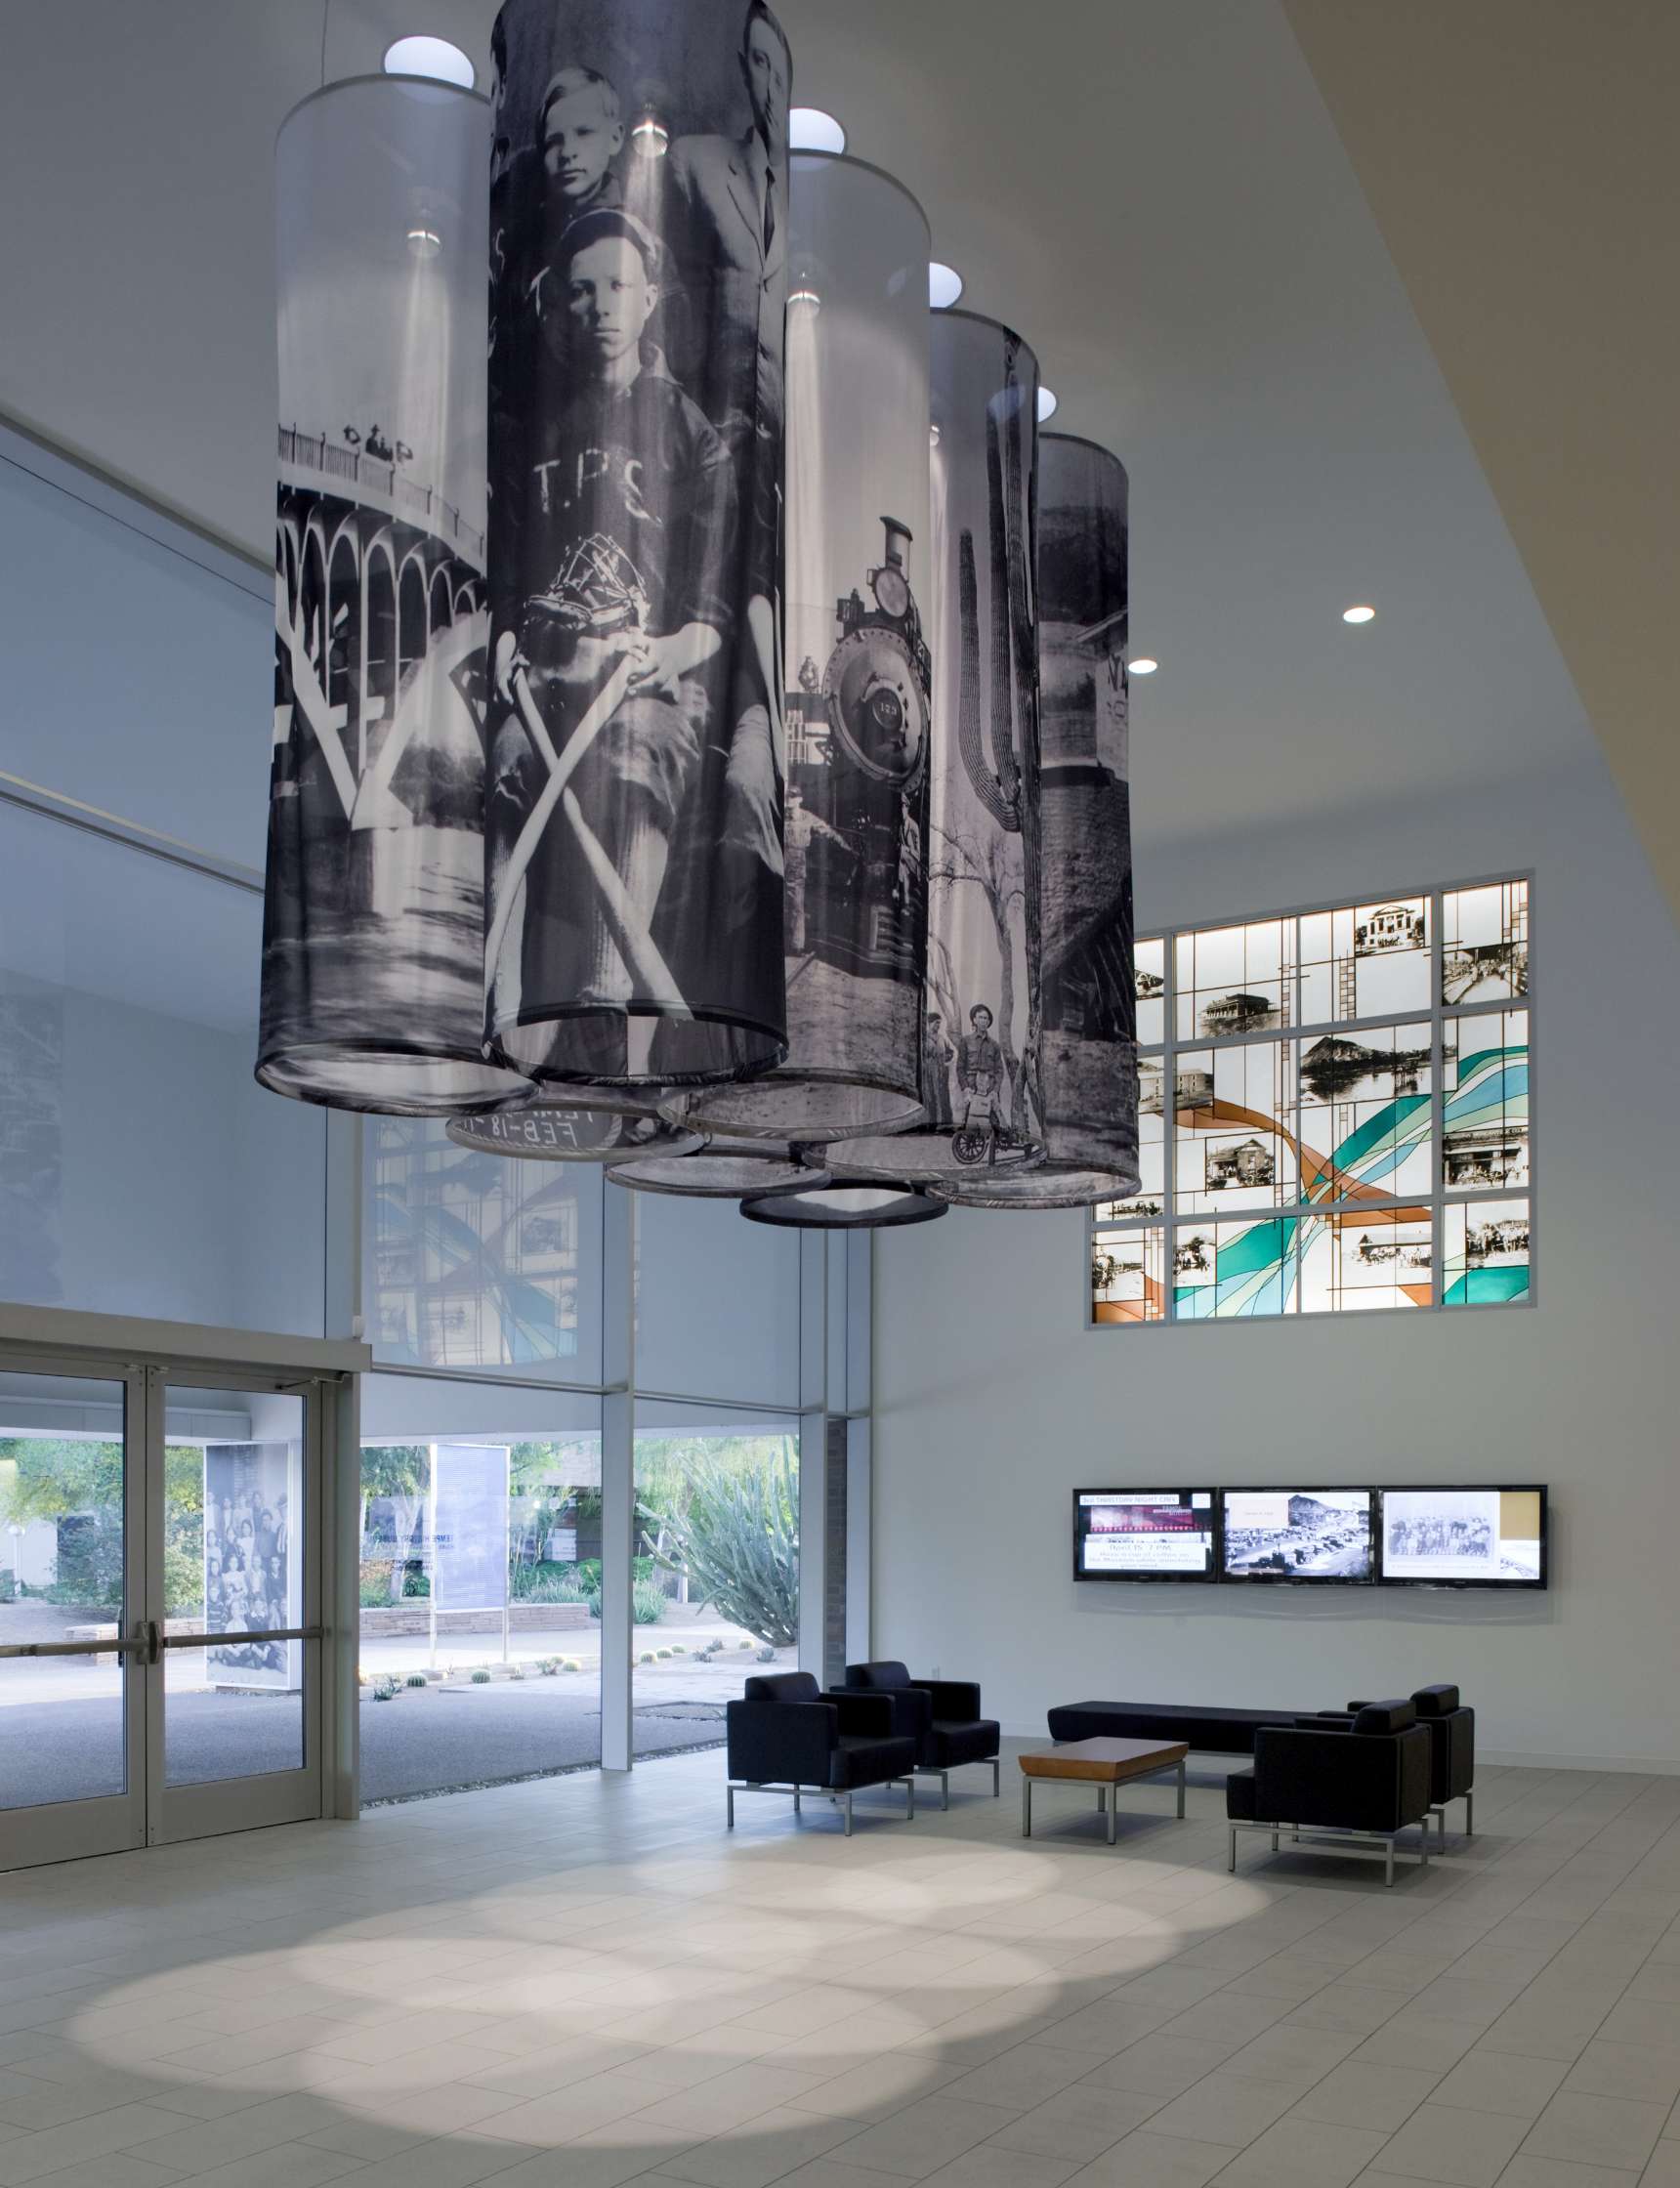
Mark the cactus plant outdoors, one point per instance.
(737, 1538)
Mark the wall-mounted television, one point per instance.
(1297, 1534)
(1455, 1537)
(1145, 1534)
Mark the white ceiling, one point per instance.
(1150, 190)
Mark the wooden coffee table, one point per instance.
(1107, 1763)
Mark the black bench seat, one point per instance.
(1213, 1732)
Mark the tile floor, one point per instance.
(584, 1982)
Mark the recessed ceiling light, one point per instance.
(944, 285)
(811, 130)
(425, 242)
(1358, 614)
(1047, 405)
(430, 57)
(1144, 666)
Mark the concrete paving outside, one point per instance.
(61, 1718)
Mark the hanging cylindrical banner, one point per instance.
(373, 933)
(639, 248)
(1084, 1035)
(857, 666)
(541, 1133)
(978, 1092)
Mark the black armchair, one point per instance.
(785, 1736)
(1337, 1781)
(941, 1715)
(1452, 1729)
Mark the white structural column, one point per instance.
(814, 1246)
(617, 1473)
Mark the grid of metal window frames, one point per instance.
(1336, 1114)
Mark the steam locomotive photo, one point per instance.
(858, 753)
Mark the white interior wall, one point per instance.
(993, 1401)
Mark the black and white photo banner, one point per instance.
(1084, 1030)
(857, 668)
(978, 1084)
(372, 992)
(639, 224)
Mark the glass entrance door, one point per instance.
(72, 1627)
(235, 1687)
(161, 1644)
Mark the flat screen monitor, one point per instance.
(1457, 1538)
(1144, 1535)
(1298, 1535)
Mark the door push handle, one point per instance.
(153, 1641)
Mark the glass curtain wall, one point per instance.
(715, 1590)
(480, 1579)
(540, 1338)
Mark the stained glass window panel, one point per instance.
(1367, 1258)
(1234, 1128)
(1484, 942)
(1235, 979)
(1334, 1112)
(1149, 961)
(1365, 960)
(1486, 1261)
(1226, 1271)
(1128, 1275)
(1485, 1067)
(1364, 1114)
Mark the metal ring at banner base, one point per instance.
(950, 1155)
(1057, 1185)
(812, 1108)
(706, 1177)
(842, 1207)
(549, 1132)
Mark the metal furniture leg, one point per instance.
(1275, 1840)
(1423, 1832)
(1113, 1792)
(910, 1790)
(1469, 1815)
(1388, 1866)
(996, 1780)
(945, 1788)
(1233, 1862)
(796, 1800)
(1101, 1799)
(729, 1794)
(848, 1815)
(1025, 1805)
(1181, 1792)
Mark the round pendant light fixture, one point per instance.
(811, 130)
(436, 57)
